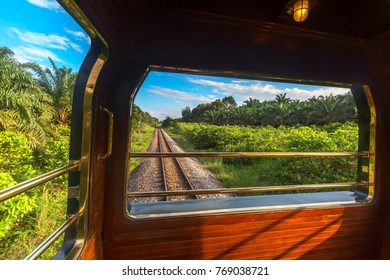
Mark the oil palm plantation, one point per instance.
(24, 106)
(327, 109)
(212, 116)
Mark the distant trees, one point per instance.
(282, 110)
(168, 121)
(186, 113)
(139, 117)
(229, 102)
(332, 109)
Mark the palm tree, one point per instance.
(325, 109)
(252, 103)
(59, 83)
(300, 113)
(24, 107)
(346, 109)
(282, 99)
(212, 116)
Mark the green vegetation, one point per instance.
(246, 172)
(35, 114)
(24, 106)
(35, 109)
(320, 110)
(59, 84)
(140, 142)
(142, 132)
(324, 123)
(30, 217)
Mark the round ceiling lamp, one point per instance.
(300, 8)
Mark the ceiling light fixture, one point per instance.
(300, 8)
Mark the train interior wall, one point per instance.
(347, 232)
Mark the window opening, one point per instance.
(41, 51)
(247, 143)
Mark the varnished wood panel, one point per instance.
(349, 17)
(222, 44)
(332, 234)
(93, 246)
(380, 76)
(324, 233)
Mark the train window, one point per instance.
(42, 182)
(204, 144)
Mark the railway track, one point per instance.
(174, 177)
(170, 174)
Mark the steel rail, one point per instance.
(51, 238)
(250, 189)
(177, 162)
(159, 135)
(249, 154)
(36, 181)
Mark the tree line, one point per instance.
(321, 110)
(138, 117)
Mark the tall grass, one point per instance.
(141, 138)
(48, 214)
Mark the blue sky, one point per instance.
(38, 29)
(166, 94)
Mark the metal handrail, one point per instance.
(52, 238)
(248, 189)
(36, 181)
(250, 154)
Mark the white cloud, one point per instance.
(189, 98)
(79, 35)
(240, 90)
(161, 114)
(244, 89)
(46, 4)
(181, 99)
(51, 41)
(296, 93)
(34, 54)
(76, 47)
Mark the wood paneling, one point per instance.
(215, 43)
(357, 18)
(380, 76)
(325, 233)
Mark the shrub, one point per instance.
(16, 156)
(29, 217)
(331, 138)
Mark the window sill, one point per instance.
(186, 208)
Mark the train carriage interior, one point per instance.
(316, 42)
